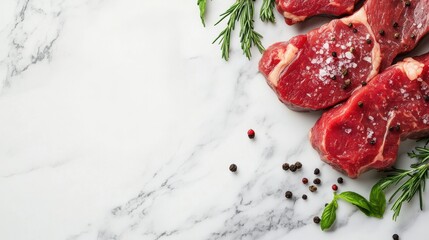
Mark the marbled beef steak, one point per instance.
(298, 10)
(322, 68)
(364, 132)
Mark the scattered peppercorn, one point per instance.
(233, 168)
(395, 24)
(355, 30)
(346, 84)
(251, 133)
(317, 181)
(334, 54)
(316, 220)
(350, 25)
(395, 236)
(298, 165)
(360, 104)
(368, 41)
(391, 129)
(407, 3)
(288, 194)
(398, 127)
(352, 49)
(364, 83)
(316, 171)
(304, 196)
(312, 188)
(381, 32)
(426, 98)
(396, 35)
(334, 187)
(344, 72)
(305, 180)
(292, 167)
(413, 36)
(332, 38)
(372, 142)
(285, 166)
(333, 77)
(340, 180)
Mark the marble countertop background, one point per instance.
(119, 119)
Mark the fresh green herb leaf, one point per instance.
(202, 6)
(266, 14)
(357, 200)
(377, 200)
(241, 11)
(329, 215)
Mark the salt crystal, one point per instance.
(349, 55)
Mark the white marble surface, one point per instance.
(118, 121)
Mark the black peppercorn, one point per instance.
(364, 83)
(233, 168)
(316, 220)
(398, 127)
(344, 72)
(381, 32)
(340, 180)
(396, 35)
(426, 98)
(391, 129)
(288, 194)
(333, 77)
(285, 166)
(316, 171)
(312, 188)
(317, 181)
(395, 24)
(346, 84)
(332, 38)
(298, 165)
(395, 236)
(355, 30)
(372, 142)
(352, 49)
(350, 25)
(304, 196)
(292, 167)
(334, 54)
(360, 104)
(413, 36)
(369, 41)
(407, 3)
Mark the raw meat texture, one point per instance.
(364, 133)
(322, 68)
(298, 10)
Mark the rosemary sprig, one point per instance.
(242, 11)
(410, 181)
(266, 14)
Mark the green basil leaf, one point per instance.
(202, 6)
(358, 201)
(377, 200)
(329, 215)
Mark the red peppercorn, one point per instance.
(251, 133)
(334, 187)
(305, 180)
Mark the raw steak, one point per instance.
(364, 132)
(322, 68)
(298, 10)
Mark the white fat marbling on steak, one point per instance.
(286, 57)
